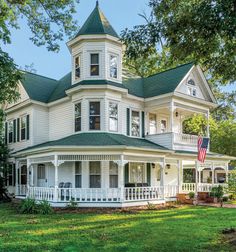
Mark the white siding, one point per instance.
(164, 139)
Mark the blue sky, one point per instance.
(120, 13)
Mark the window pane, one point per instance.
(113, 66)
(95, 181)
(77, 109)
(94, 59)
(113, 109)
(78, 183)
(77, 117)
(137, 173)
(135, 123)
(163, 126)
(78, 168)
(113, 124)
(94, 108)
(23, 128)
(77, 67)
(95, 174)
(113, 116)
(152, 123)
(95, 168)
(94, 123)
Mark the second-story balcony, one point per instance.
(165, 127)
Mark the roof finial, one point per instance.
(97, 3)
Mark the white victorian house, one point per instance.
(102, 139)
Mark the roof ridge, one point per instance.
(170, 69)
(40, 75)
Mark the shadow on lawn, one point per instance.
(184, 229)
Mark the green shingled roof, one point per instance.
(99, 139)
(46, 90)
(97, 23)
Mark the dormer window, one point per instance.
(77, 67)
(113, 66)
(94, 64)
(191, 87)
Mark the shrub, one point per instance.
(44, 208)
(191, 195)
(72, 204)
(28, 206)
(151, 206)
(225, 198)
(217, 192)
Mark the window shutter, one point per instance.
(143, 124)
(6, 132)
(18, 129)
(126, 173)
(149, 174)
(128, 121)
(14, 131)
(27, 127)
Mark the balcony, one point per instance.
(175, 141)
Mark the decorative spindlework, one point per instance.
(88, 157)
(45, 159)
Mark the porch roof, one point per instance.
(98, 139)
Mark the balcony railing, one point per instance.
(185, 139)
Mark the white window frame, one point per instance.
(90, 64)
(156, 124)
(80, 61)
(8, 131)
(163, 119)
(21, 117)
(78, 102)
(78, 174)
(113, 117)
(95, 174)
(94, 115)
(131, 111)
(117, 70)
(113, 174)
(144, 171)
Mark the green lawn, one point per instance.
(183, 229)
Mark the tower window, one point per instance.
(113, 66)
(94, 65)
(77, 67)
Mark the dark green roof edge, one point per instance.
(98, 139)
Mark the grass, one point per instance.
(182, 229)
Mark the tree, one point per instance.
(181, 31)
(222, 133)
(48, 21)
(232, 183)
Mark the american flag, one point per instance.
(202, 148)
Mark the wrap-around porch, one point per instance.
(108, 180)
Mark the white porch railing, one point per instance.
(188, 187)
(89, 195)
(143, 193)
(185, 138)
(171, 191)
(41, 193)
(201, 187)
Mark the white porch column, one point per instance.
(179, 165)
(32, 176)
(213, 174)
(163, 177)
(56, 179)
(28, 164)
(227, 173)
(121, 177)
(17, 181)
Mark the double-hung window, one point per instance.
(10, 132)
(77, 67)
(94, 116)
(95, 174)
(113, 174)
(78, 174)
(23, 127)
(78, 117)
(113, 116)
(94, 64)
(135, 123)
(113, 66)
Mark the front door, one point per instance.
(41, 175)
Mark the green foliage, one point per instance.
(217, 192)
(72, 204)
(28, 206)
(191, 195)
(44, 208)
(151, 206)
(232, 183)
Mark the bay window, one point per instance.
(113, 66)
(135, 123)
(94, 64)
(78, 117)
(95, 174)
(113, 116)
(113, 175)
(94, 116)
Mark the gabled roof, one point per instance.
(99, 139)
(38, 88)
(97, 23)
(47, 90)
